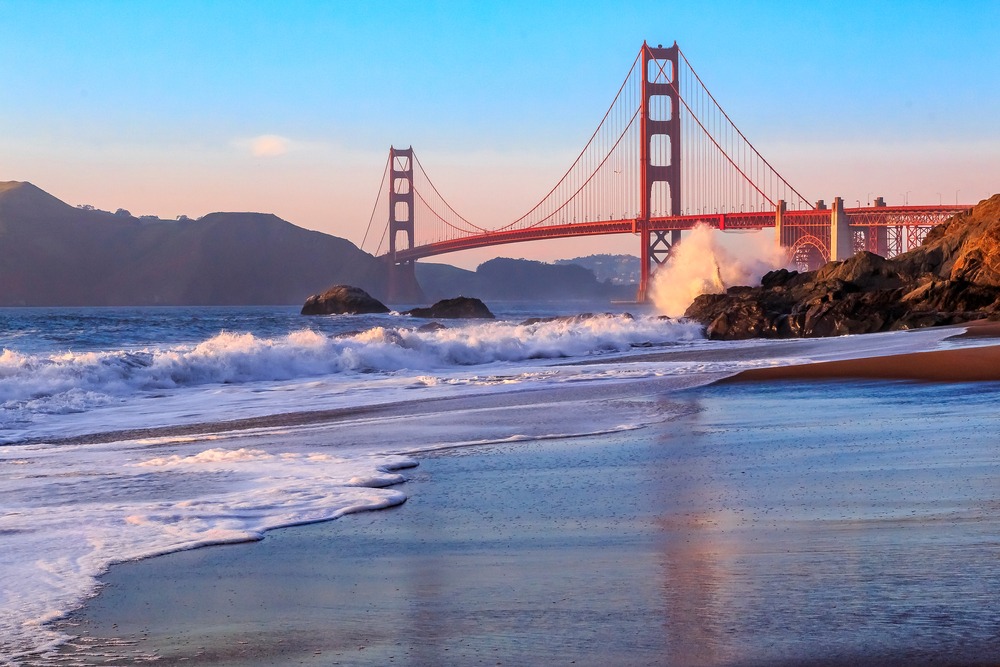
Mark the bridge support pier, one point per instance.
(403, 287)
(656, 249)
(841, 236)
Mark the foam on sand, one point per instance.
(70, 512)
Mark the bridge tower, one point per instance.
(660, 168)
(402, 276)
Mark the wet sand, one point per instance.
(976, 364)
(785, 522)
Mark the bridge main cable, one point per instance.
(738, 131)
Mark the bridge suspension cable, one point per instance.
(385, 171)
(721, 172)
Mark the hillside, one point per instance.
(616, 269)
(505, 279)
(53, 254)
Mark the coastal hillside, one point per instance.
(54, 254)
(505, 279)
(616, 269)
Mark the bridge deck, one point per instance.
(864, 217)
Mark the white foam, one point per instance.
(127, 505)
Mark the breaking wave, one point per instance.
(68, 382)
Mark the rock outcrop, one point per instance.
(343, 300)
(953, 277)
(458, 308)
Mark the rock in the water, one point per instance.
(343, 300)
(458, 308)
(953, 277)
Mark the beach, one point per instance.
(834, 513)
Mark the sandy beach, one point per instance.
(826, 514)
(979, 364)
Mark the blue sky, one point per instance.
(289, 107)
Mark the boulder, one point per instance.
(458, 308)
(343, 300)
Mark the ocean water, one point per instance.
(127, 433)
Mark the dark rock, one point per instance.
(431, 326)
(777, 278)
(953, 277)
(343, 300)
(864, 270)
(458, 308)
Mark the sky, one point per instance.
(184, 108)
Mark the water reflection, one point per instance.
(832, 524)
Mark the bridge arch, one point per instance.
(809, 253)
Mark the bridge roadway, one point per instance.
(864, 219)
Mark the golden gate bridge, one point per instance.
(664, 158)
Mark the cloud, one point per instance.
(265, 145)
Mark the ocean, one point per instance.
(127, 433)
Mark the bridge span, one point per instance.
(664, 159)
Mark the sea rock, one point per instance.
(953, 277)
(458, 308)
(343, 300)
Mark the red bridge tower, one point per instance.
(402, 275)
(660, 156)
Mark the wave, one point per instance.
(68, 382)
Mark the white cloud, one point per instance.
(265, 145)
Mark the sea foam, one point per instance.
(76, 510)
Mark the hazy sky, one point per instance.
(177, 107)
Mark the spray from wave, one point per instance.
(701, 265)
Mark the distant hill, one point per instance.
(53, 254)
(616, 269)
(517, 279)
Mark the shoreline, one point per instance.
(972, 364)
(980, 363)
(730, 535)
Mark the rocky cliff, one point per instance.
(953, 277)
